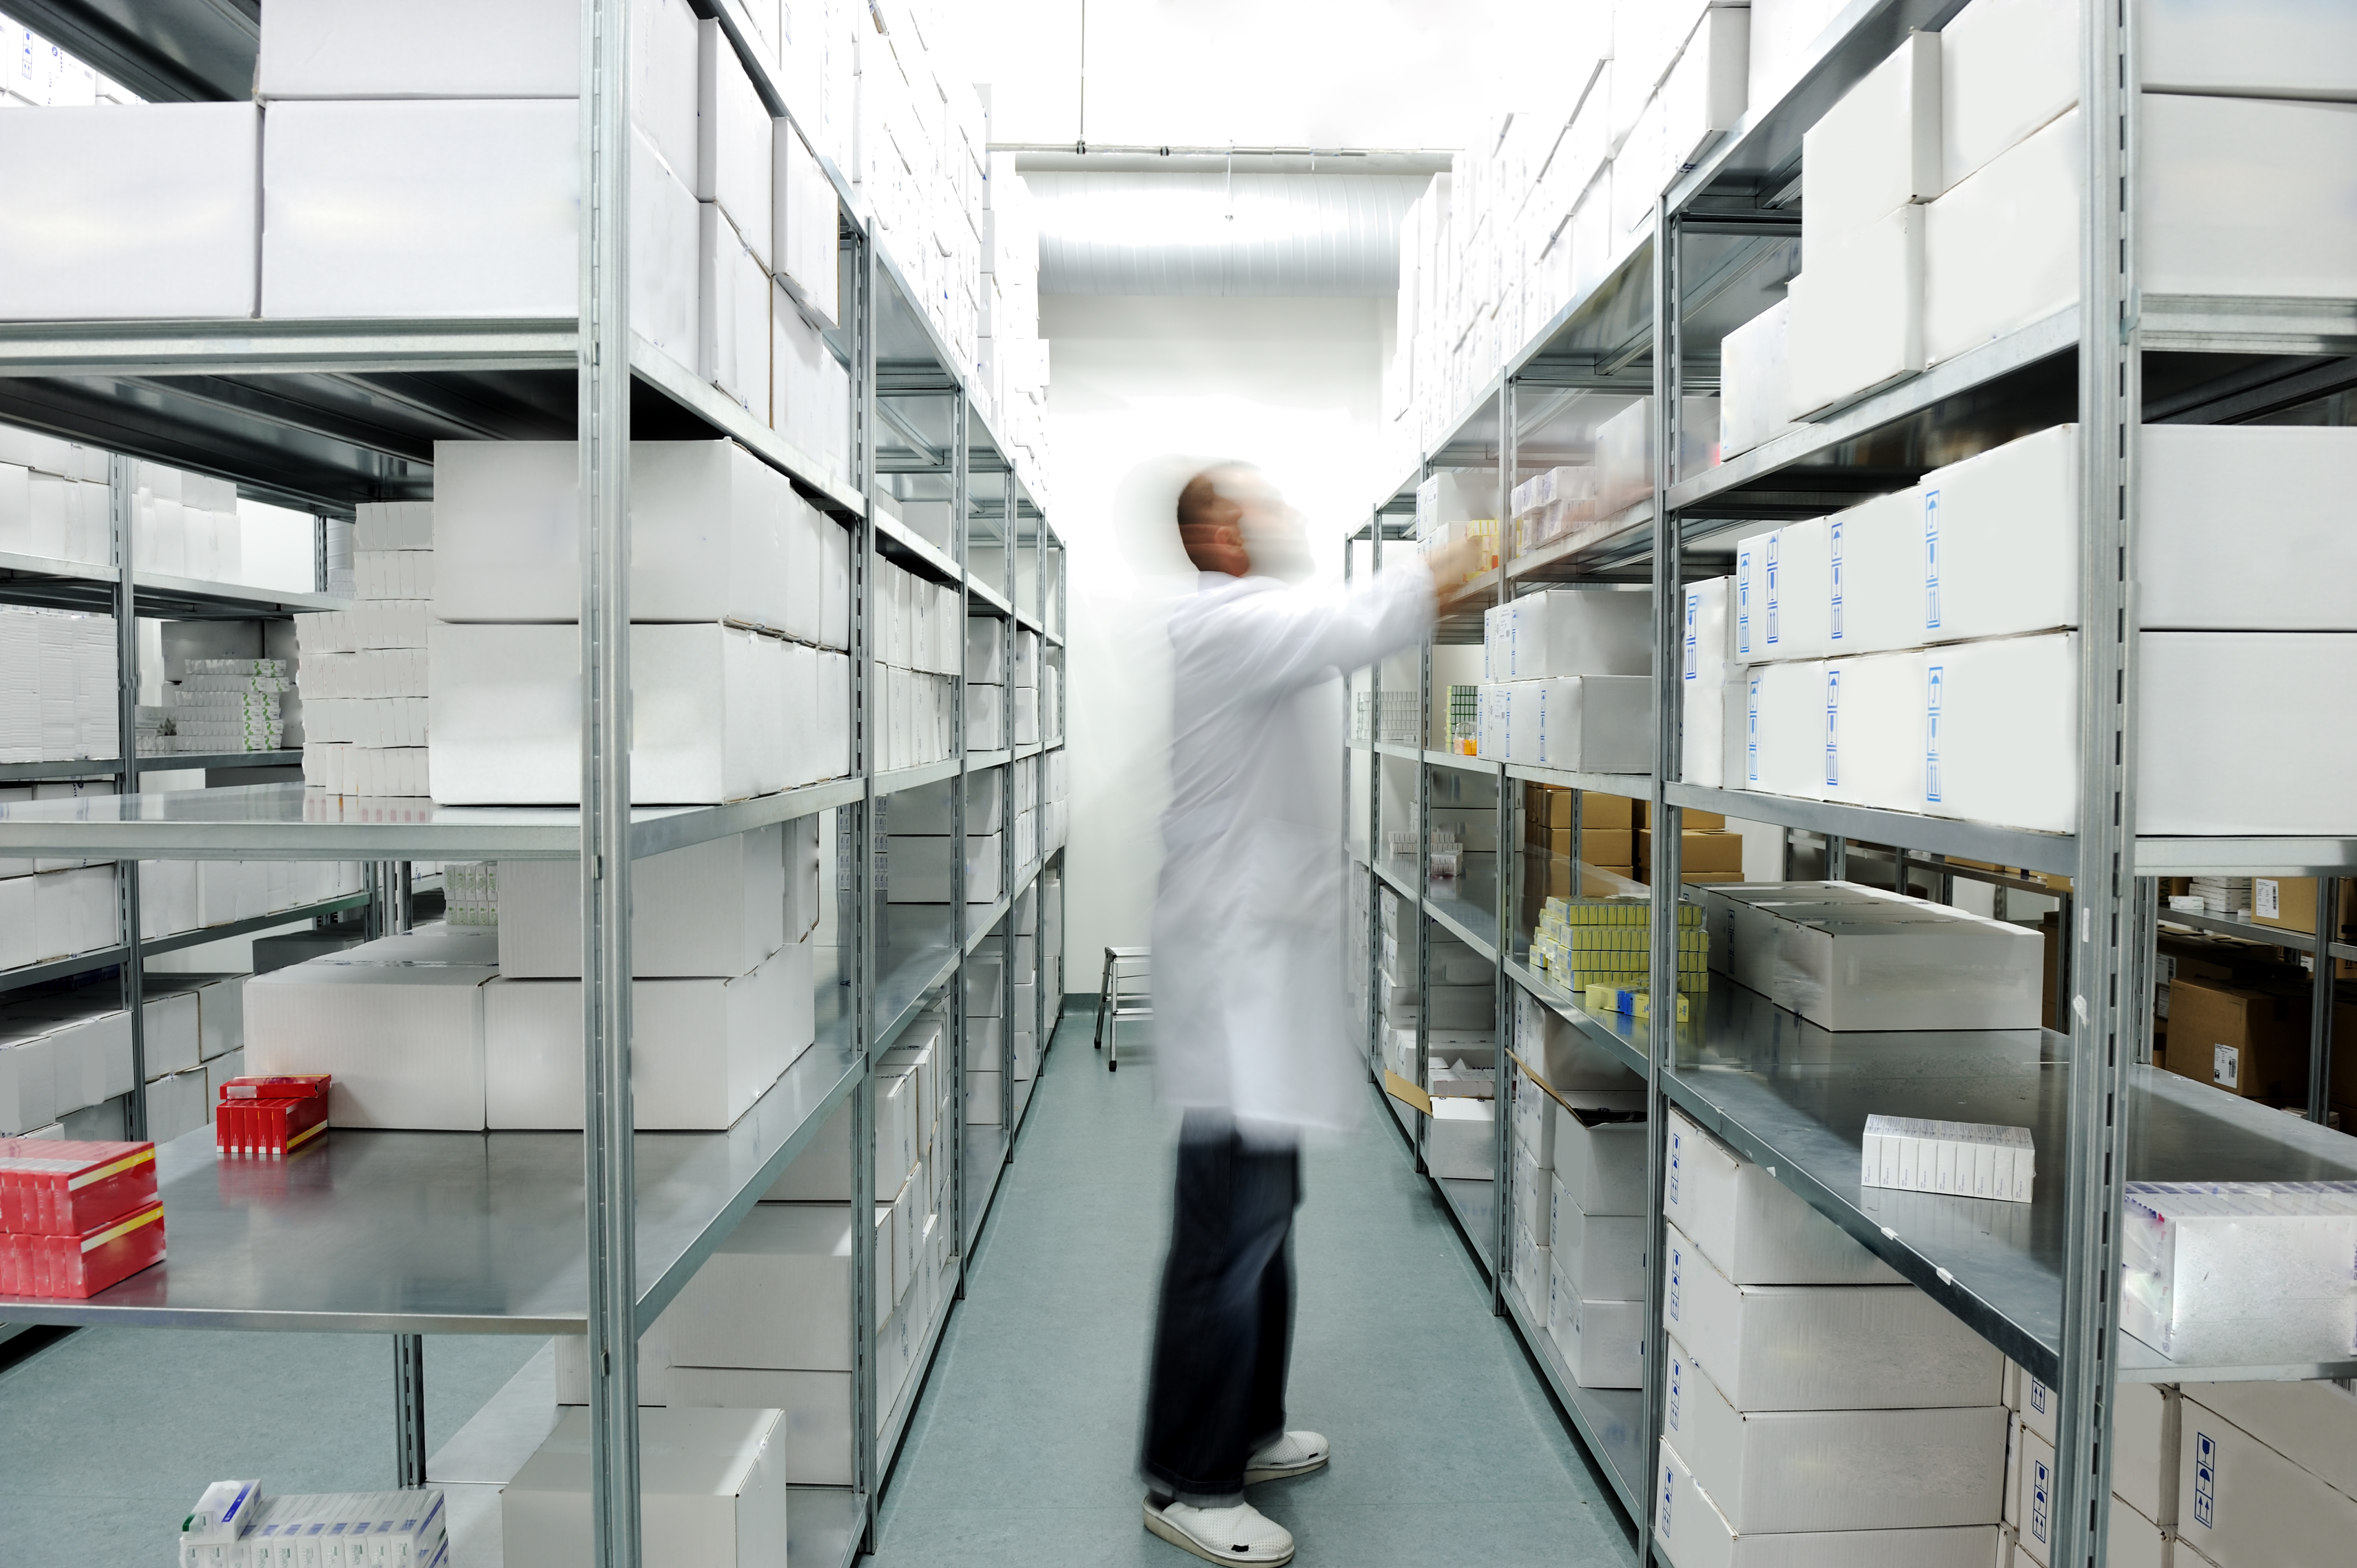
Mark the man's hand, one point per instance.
(1451, 565)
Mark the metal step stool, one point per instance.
(1124, 991)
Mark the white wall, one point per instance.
(1290, 384)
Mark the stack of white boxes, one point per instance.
(1582, 1136)
(224, 705)
(1052, 942)
(1025, 772)
(53, 906)
(1565, 681)
(61, 703)
(177, 896)
(912, 688)
(1848, 956)
(361, 671)
(468, 1027)
(1055, 800)
(1458, 1008)
(1024, 925)
(35, 72)
(1810, 1391)
(712, 1487)
(739, 602)
(1917, 652)
(985, 683)
(1943, 195)
(983, 976)
(917, 824)
(54, 498)
(1025, 694)
(65, 1055)
(182, 524)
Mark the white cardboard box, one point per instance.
(1461, 1141)
(1754, 1229)
(2000, 540)
(814, 1409)
(2221, 746)
(776, 1294)
(1801, 1348)
(1755, 379)
(734, 330)
(1784, 729)
(506, 715)
(378, 208)
(1570, 631)
(405, 1042)
(1784, 592)
(128, 211)
(1877, 576)
(1857, 314)
(1777, 1472)
(1595, 723)
(706, 520)
(1695, 1534)
(703, 1051)
(2006, 67)
(732, 140)
(712, 908)
(920, 869)
(1602, 1342)
(1876, 149)
(804, 213)
(1874, 719)
(1602, 1257)
(2279, 491)
(712, 1490)
(2243, 1505)
(2002, 734)
(1872, 970)
(2001, 247)
(1599, 1161)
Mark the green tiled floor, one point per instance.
(1448, 1450)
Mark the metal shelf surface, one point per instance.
(100, 958)
(1471, 922)
(1795, 1098)
(1634, 786)
(91, 585)
(288, 822)
(442, 1232)
(1610, 1421)
(2251, 932)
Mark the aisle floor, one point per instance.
(1447, 1449)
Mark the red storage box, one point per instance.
(77, 1267)
(267, 1129)
(279, 1086)
(52, 1186)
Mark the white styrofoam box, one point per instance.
(2277, 491)
(1877, 969)
(2018, 215)
(1857, 314)
(665, 309)
(1603, 1255)
(804, 216)
(75, 911)
(506, 717)
(2220, 749)
(732, 140)
(704, 532)
(29, 1084)
(221, 1012)
(2313, 1424)
(171, 1031)
(1601, 1160)
(776, 1294)
(391, 209)
(986, 651)
(1755, 381)
(1796, 1348)
(1603, 1342)
(702, 1050)
(1624, 454)
(1569, 631)
(2001, 734)
(1743, 920)
(1874, 731)
(121, 212)
(1878, 148)
(2223, 213)
(2241, 1504)
(2006, 68)
(712, 1490)
(1595, 723)
(405, 1042)
(816, 1408)
(1778, 1472)
(1784, 592)
(805, 566)
(1461, 1141)
(1695, 1533)
(1703, 95)
(733, 327)
(1876, 576)
(1782, 730)
(711, 908)
(1752, 1228)
(2209, 1265)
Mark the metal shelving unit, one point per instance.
(2039, 1282)
(536, 1232)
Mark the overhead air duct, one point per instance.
(1254, 234)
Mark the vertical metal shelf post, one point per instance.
(1012, 514)
(2107, 965)
(1664, 875)
(867, 910)
(1501, 1077)
(122, 495)
(960, 498)
(604, 395)
(2320, 999)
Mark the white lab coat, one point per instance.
(1248, 995)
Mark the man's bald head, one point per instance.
(1210, 524)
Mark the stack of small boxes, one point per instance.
(51, 906)
(224, 705)
(76, 1217)
(986, 708)
(270, 1118)
(60, 705)
(1583, 944)
(362, 671)
(1810, 1390)
(913, 684)
(917, 844)
(1565, 681)
(1026, 692)
(234, 1525)
(54, 495)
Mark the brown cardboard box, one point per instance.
(1705, 819)
(2248, 1041)
(1548, 809)
(1592, 887)
(1607, 811)
(1702, 849)
(1597, 847)
(2288, 903)
(2344, 1049)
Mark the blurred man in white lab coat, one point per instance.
(1248, 984)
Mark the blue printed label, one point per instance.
(1930, 560)
(2205, 1480)
(1677, 1379)
(1694, 614)
(1832, 728)
(1669, 1486)
(2041, 1499)
(1775, 566)
(1743, 603)
(1677, 1273)
(1837, 580)
(1751, 732)
(1933, 680)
